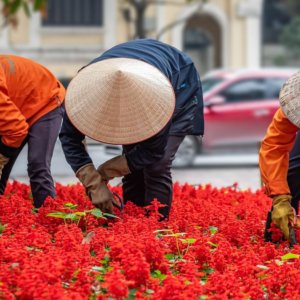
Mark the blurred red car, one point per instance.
(239, 106)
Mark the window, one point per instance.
(208, 84)
(246, 90)
(274, 86)
(74, 13)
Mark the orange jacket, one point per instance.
(27, 92)
(274, 154)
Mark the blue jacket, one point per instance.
(187, 118)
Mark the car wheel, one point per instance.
(186, 153)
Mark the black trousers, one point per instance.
(154, 181)
(41, 140)
(294, 173)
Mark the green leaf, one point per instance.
(38, 4)
(80, 213)
(2, 227)
(158, 274)
(149, 291)
(208, 270)
(96, 212)
(213, 229)
(131, 295)
(290, 256)
(14, 6)
(26, 9)
(262, 267)
(212, 244)
(170, 256)
(70, 205)
(175, 234)
(71, 217)
(188, 241)
(57, 214)
(110, 215)
(98, 268)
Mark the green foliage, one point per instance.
(181, 252)
(12, 7)
(290, 256)
(2, 228)
(159, 275)
(72, 216)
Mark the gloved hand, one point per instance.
(3, 161)
(115, 167)
(96, 189)
(283, 213)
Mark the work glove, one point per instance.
(115, 167)
(283, 214)
(3, 161)
(96, 189)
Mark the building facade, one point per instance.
(216, 33)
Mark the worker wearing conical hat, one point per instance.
(144, 95)
(280, 168)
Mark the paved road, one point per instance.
(217, 170)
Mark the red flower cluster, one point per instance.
(212, 247)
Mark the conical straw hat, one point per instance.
(120, 101)
(290, 99)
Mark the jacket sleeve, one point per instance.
(73, 145)
(13, 125)
(274, 154)
(146, 153)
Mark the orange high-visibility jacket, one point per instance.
(27, 92)
(274, 154)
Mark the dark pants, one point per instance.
(294, 173)
(41, 140)
(154, 181)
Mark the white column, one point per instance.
(35, 30)
(4, 38)
(252, 11)
(110, 21)
(160, 20)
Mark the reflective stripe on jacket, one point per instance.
(27, 92)
(274, 154)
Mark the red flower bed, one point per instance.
(211, 248)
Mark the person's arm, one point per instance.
(78, 158)
(72, 141)
(137, 156)
(13, 125)
(274, 154)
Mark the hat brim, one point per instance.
(120, 101)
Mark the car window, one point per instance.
(274, 86)
(209, 83)
(245, 90)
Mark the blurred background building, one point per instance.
(215, 33)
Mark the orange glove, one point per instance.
(283, 213)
